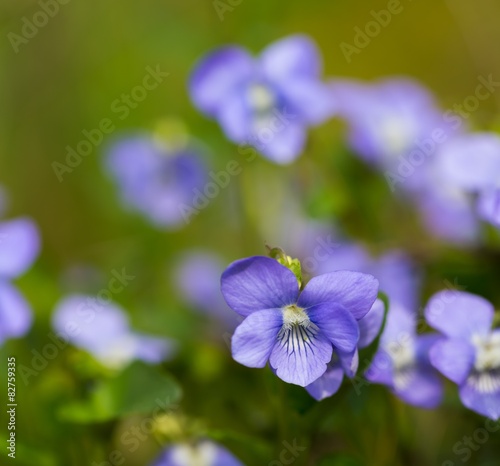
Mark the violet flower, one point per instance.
(19, 247)
(470, 353)
(266, 102)
(472, 163)
(197, 276)
(402, 361)
(103, 330)
(159, 182)
(204, 453)
(296, 331)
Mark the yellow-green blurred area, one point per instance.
(66, 78)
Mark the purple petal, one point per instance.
(328, 384)
(337, 324)
(421, 387)
(398, 278)
(293, 56)
(153, 349)
(459, 314)
(285, 145)
(370, 324)
(300, 361)
(355, 291)
(89, 324)
(381, 369)
(399, 326)
(309, 98)
(481, 393)
(15, 313)
(349, 362)
(19, 246)
(255, 338)
(454, 358)
(235, 118)
(488, 206)
(218, 75)
(472, 161)
(258, 283)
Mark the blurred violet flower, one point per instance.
(19, 247)
(198, 280)
(347, 363)
(266, 102)
(159, 181)
(204, 453)
(470, 353)
(295, 330)
(388, 119)
(472, 164)
(402, 361)
(397, 275)
(103, 330)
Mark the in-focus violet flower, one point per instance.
(402, 361)
(267, 102)
(204, 453)
(19, 247)
(198, 278)
(296, 331)
(472, 163)
(103, 330)
(470, 353)
(158, 181)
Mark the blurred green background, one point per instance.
(65, 79)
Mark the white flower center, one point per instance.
(402, 354)
(396, 136)
(293, 316)
(260, 98)
(487, 351)
(203, 454)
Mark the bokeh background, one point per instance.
(64, 80)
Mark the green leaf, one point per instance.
(139, 389)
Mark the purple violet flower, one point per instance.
(296, 331)
(204, 453)
(198, 279)
(472, 163)
(103, 330)
(157, 181)
(267, 102)
(387, 119)
(19, 247)
(402, 361)
(470, 353)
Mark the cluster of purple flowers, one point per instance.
(311, 336)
